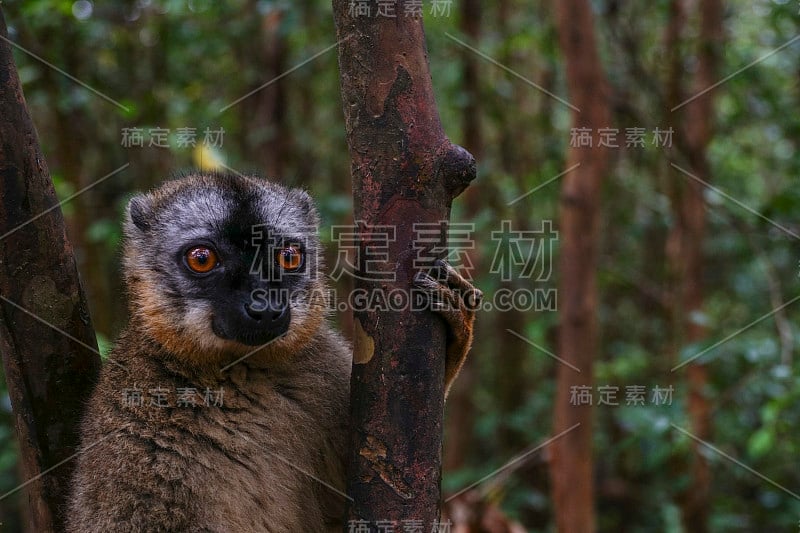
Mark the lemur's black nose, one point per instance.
(266, 313)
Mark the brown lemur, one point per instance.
(197, 426)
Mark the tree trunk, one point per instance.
(49, 374)
(509, 379)
(70, 134)
(571, 464)
(405, 171)
(691, 225)
(267, 140)
(461, 412)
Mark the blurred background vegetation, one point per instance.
(176, 64)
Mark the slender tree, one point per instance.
(572, 464)
(405, 171)
(461, 415)
(267, 138)
(46, 336)
(686, 252)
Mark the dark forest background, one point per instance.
(181, 64)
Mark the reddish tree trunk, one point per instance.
(49, 375)
(461, 411)
(688, 259)
(470, 23)
(268, 139)
(405, 171)
(571, 464)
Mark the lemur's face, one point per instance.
(221, 264)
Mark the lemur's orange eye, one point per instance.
(289, 257)
(201, 259)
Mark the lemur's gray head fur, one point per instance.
(218, 265)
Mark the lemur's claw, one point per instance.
(456, 300)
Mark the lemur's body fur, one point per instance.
(234, 467)
(267, 452)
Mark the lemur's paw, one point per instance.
(456, 300)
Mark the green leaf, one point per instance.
(760, 442)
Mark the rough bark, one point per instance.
(572, 464)
(49, 375)
(405, 171)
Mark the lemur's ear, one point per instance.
(140, 212)
(308, 205)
